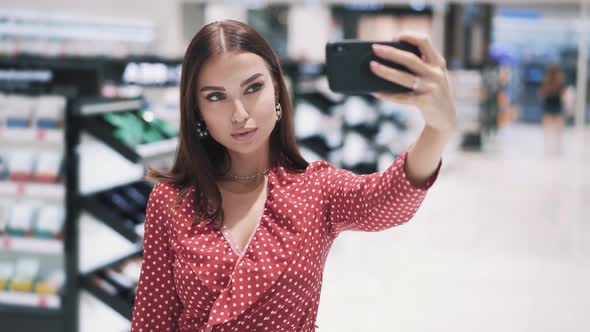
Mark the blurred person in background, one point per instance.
(506, 109)
(552, 92)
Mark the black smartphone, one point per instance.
(347, 67)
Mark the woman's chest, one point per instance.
(286, 248)
(241, 218)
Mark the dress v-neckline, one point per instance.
(227, 234)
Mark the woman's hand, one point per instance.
(432, 94)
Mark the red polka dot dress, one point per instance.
(195, 279)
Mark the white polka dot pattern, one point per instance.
(192, 279)
(371, 202)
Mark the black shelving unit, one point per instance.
(87, 280)
(79, 79)
(87, 120)
(113, 218)
(38, 318)
(90, 121)
(306, 88)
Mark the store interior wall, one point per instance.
(165, 15)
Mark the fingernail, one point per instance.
(377, 47)
(374, 64)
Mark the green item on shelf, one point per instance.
(165, 127)
(132, 129)
(128, 136)
(115, 119)
(42, 234)
(15, 231)
(152, 135)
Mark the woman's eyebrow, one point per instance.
(245, 82)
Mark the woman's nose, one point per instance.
(239, 113)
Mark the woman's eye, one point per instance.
(254, 87)
(215, 96)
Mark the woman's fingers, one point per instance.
(404, 58)
(431, 55)
(405, 79)
(393, 75)
(400, 98)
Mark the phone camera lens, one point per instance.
(339, 48)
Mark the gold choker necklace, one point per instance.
(248, 178)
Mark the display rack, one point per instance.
(79, 81)
(336, 127)
(28, 304)
(121, 207)
(107, 293)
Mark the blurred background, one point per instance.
(89, 97)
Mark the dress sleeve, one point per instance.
(371, 202)
(157, 306)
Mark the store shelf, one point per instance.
(31, 245)
(117, 303)
(32, 137)
(30, 300)
(142, 153)
(100, 106)
(158, 149)
(111, 218)
(45, 191)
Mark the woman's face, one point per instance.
(236, 92)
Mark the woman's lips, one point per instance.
(246, 136)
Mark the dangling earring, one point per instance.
(279, 111)
(201, 130)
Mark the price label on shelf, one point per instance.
(6, 243)
(49, 191)
(41, 135)
(31, 245)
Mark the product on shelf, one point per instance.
(17, 111)
(121, 279)
(123, 286)
(47, 167)
(4, 213)
(165, 127)
(26, 219)
(50, 283)
(26, 271)
(50, 222)
(3, 168)
(23, 275)
(21, 220)
(133, 129)
(122, 205)
(21, 165)
(6, 272)
(31, 166)
(137, 196)
(50, 112)
(123, 208)
(357, 151)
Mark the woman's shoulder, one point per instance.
(319, 169)
(318, 166)
(164, 193)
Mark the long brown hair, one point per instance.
(197, 159)
(554, 82)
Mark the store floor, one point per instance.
(502, 243)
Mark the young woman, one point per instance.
(237, 234)
(552, 92)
